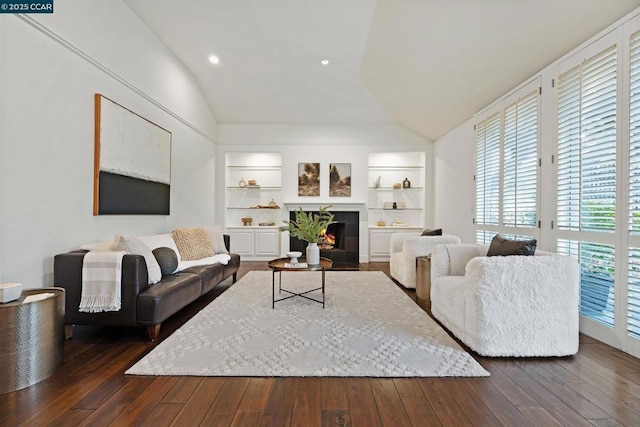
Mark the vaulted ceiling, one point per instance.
(428, 65)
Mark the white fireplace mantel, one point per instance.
(335, 206)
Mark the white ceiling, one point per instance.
(428, 65)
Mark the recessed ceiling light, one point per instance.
(324, 62)
(214, 59)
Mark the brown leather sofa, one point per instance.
(142, 304)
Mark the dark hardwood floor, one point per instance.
(599, 386)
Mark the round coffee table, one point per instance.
(282, 264)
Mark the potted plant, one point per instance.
(308, 227)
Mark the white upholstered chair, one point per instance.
(406, 247)
(507, 305)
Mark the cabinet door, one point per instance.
(266, 242)
(241, 241)
(379, 243)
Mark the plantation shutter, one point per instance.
(587, 97)
(488, 171)
(587, 145)
(597, 267)
(520, 154)
(633, 294)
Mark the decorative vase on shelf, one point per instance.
(406, 183)
(313, 254)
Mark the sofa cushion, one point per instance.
(210, 275)
(167, 259)
(193, 243)
(501, 246)
(173, 293)
(436, 232)
(135, 246)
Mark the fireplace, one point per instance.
(346, 248)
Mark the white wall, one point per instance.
(455, 190)
(46, 125)
(325, 144)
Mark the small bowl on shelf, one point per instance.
(246, 221)
(294, 255)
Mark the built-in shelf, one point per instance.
(394, 168)
(254, 187)
(254, 242)
(388, 176)
(396, 189)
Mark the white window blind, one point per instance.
(587, 145)
(597, 263)
(484, 236)
(520, 164)
(634, 136)
(488, 171)
(633, 293)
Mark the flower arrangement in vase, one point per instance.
(308, 227)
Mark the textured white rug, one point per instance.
(369, 328)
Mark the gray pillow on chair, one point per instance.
(505, 247)
(436, 232)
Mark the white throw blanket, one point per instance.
(101, 281)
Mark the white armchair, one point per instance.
(507, 306)
(406, 247)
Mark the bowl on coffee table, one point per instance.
(294, 255)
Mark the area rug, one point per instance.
(369, 327)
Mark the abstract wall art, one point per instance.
(132, 162)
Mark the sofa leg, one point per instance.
(153, 332)
(235, 277)
(68, 331)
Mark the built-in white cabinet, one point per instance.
(255, 243)
(253, 203)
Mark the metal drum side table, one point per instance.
(31, 338)
(423, 278)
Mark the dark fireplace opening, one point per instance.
(335, 237)
(346, 248)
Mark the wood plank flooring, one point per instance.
(599, 386)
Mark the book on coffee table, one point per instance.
(298, 265)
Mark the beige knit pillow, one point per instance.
(192, 243)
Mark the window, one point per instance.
(596, 278)
(488, 171)
(519, 195)
(587, 102)
(507, 166)
(587, 145)
(633, 293)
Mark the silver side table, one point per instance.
(31, 339)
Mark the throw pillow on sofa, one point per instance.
(192, 243)
(135, 246)
(167, 259)
(217, 239)
(501, 246)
